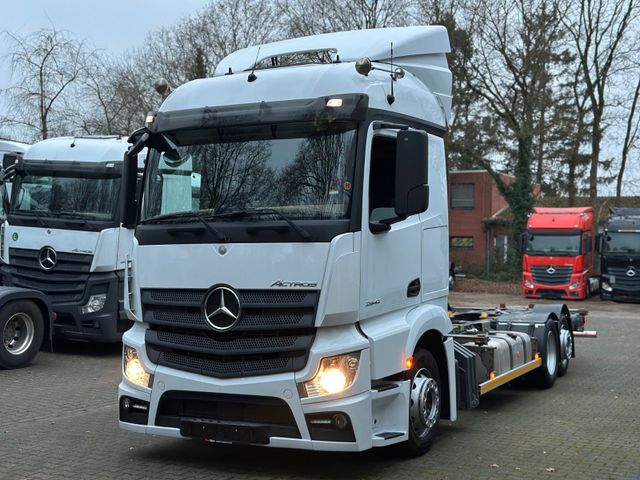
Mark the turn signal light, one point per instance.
(409, 363)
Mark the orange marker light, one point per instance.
(492, 375)
(408, 363)
(536, 356)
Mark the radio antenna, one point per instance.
(252, 76)
(391, 98)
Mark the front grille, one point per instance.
(247, 410)
(625, 282)
(561, 276)
(273, 335)
(64, 283)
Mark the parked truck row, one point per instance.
(559, 254)
(281, 256)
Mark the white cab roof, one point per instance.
(81, 149)
(420, 50)
(12, 147)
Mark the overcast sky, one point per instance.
(113, 25)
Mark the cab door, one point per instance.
(391, 246)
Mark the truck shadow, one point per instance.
(69, 347)
(246, 460)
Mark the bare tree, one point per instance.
(632, 135)
(46, 64)
(308, 17)
(599, 30)
(516, 46)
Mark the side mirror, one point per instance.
(523, 242)
(599, 243)
(128, 203)
(412, 173)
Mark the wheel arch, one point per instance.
(433, 341)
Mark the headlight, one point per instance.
(575, 285)
(528, 284)
(133, 368)
(606, 287)
(335, 375)
(95, 303)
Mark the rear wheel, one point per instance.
(22, 332)
(545, 376)
(566, 347)
(424, 404)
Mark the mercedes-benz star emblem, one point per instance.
(631, 272)
(48, 258)
(221, 308)
(551, 269)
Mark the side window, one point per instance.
(382, 179)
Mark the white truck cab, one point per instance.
(289, 275)
(63, 234)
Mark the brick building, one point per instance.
(479, 227)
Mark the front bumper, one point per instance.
(620, 296)
(360, 404)
(106, 325)
(553, 292)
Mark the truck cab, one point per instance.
(289, 274)
(619, 247)
(558, 259)
(63, 235)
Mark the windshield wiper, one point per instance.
(269, 211)
(33, 215)
(74, 216)
(190, 213)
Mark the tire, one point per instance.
(424, 405)
(566, 347)
(21, 333)
(545, 376)
(587, 290)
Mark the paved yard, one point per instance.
(58, 419)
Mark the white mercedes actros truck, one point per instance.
(63, 234)
(295, 295)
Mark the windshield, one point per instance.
(52, 196)
(296, 170)
(618, 242)
(552, 245)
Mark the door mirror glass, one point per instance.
(599, 243)
(412, 173)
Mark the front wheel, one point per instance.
(22, 330)
(424, 404)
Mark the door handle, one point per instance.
(413, 290)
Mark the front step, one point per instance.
(390, 413)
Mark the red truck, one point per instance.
(558, 257)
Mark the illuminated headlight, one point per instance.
(95, 303)
(606, 287)
(528, 284)
(335, 375)
(133, 368)
(575, 285)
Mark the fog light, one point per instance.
(95, 303)
(606, 287)
(574, 285)
(528, 284)
(133, 369)
(335, 375)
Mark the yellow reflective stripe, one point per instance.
(510, 375)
